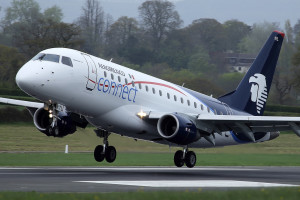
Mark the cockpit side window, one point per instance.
(47, 57)
(38, 56)
(66, 61)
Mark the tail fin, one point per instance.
(252, 92)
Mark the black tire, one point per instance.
(56, 131)
(50, 131)
(178, 161)
(98, 153)
(110, 154)
(190, 159)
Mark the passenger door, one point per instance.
(92, 72)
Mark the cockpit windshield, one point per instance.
(47, 57)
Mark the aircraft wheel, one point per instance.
(50, 131)
(98, 153)
(110, 154)
(178, 158)
(190, 159)
(56, 131)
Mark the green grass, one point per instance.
(25, 137)
(146, 159)
(283, 151)
(257, 194)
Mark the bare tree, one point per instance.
(92, 24)
(158, 18)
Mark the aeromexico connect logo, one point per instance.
(259, 93)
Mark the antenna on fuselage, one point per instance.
(110, 59)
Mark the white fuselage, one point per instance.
(110, 95)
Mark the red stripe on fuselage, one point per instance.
(160, 84)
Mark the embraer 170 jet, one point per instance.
(76, 89)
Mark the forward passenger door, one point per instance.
(92, 73)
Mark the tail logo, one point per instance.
(259, 93)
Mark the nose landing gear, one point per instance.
(185, 157)
(106, 152)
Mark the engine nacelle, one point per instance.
(64, 126)
(178, 129)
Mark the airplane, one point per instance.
(76, 89)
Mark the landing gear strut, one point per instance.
(106, 152)
(185, 157)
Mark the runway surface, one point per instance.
(120, 179)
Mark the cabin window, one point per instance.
(140, 86)
(168, 95)
(153, 90)
(208, 110)
(188, 102)
(119, 78)
(105, 74)
(147, 89)
(66, 61)
(160, 92)
(175, 98)
(126, 81)
(112, 76)
(202, 107)
(181, 99)
(132, 83)
(195, 104)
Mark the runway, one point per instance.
(121, 179)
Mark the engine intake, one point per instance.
(64, 125)
(178, 129)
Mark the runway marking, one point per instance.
(133, 168)
(197, 184)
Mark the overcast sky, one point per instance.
(250, 12)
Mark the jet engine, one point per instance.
(178, 129)
(56, 126)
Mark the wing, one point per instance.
(247, 125)
(28, 104)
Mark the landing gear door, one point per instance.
(92, 73)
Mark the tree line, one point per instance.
(155, 43)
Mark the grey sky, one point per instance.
(247, 11)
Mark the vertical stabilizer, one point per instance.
(252, 92)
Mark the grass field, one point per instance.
(25, 137)
(257, 194)
(146, 159)
(48, 151)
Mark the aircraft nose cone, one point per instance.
(24, 79)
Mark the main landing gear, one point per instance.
(106, 152)
(185, 157)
